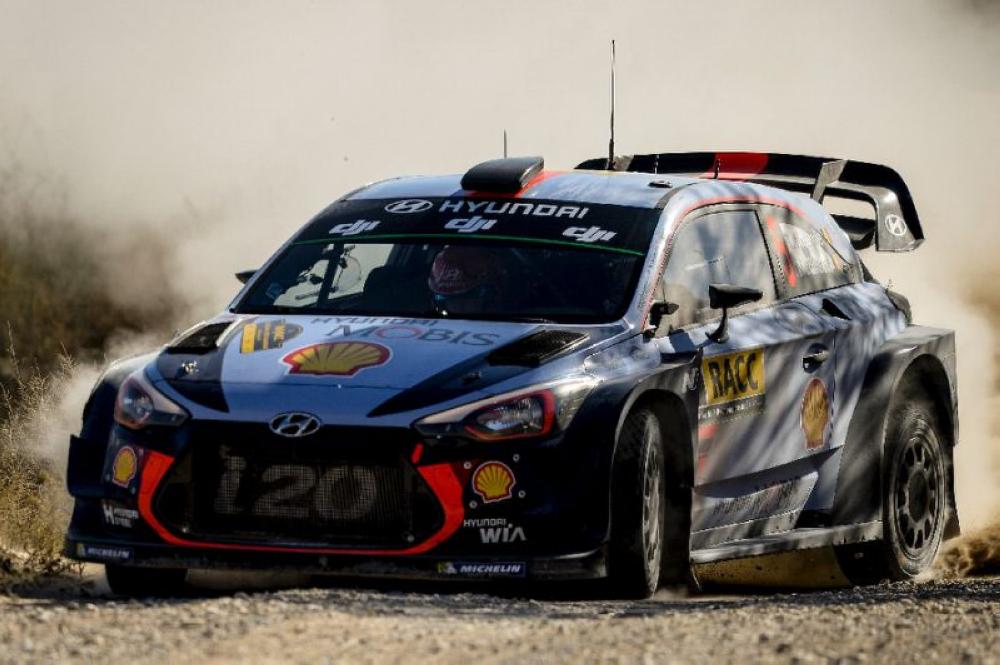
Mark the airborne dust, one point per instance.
(186, 140)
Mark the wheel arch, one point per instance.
(917, 360)
(669, 396)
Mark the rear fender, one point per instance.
(918, 354)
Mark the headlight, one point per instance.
(534, 411)
(139, 405)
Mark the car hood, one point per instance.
(411, 360)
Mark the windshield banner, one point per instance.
(582, 225)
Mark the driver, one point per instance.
(467, 280)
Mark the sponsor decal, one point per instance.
(354, 228)
(773, 499)
(512, 208)
(267, 335)
(591, 234)
(734, 385)
(407, 206)
(895, 225)
(103, 552)
(125, 467)
(816, 414)
(117, 515)
(409, 329)
(495, 530)
(470, 224)
(493, 481)
(336, 358)
(483, 568)
(808, 250)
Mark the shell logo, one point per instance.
(336, 358)
(493, 481)
(125, 466)
(815, 414)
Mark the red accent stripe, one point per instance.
(418, 451)
(537, 180)
(766, 200)
(738, 165)
(707, 431)
(440, 477)
(782, 249)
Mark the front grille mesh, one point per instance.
(275, 496)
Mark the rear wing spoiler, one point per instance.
(896, 227)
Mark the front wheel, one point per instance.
(638, 510)
(134, 581)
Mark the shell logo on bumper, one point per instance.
(124, 467)
(336, 359)
(493, 481)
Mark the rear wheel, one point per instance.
(914, 498)
(638, 508)
(915, 491)
(134, 581)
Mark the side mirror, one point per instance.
(245, 275)
(657, 311)
(724, 297)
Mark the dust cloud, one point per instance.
(216, 129)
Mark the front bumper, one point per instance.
(552, 524)
(579, 566)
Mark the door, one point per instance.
(764, 401)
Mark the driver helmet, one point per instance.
(466, 275)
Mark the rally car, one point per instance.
(661, 368)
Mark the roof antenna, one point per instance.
(505, 144)
(611, 143)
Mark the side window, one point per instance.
(720, 247)
(808, 260)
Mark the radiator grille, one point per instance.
(278, 496)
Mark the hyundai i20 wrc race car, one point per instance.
(669, 368)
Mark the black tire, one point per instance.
(914, 498)
(137, 582)
(914, 490)
(638, 508)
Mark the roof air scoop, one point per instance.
(504, 176)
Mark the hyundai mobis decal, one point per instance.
(595, 226)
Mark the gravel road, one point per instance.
(226, 621)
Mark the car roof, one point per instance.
(625, 189)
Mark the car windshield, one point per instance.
(505, 260)
(462, 280)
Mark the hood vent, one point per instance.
(536, 348)
(200, 339)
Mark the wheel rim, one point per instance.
(651, 504)
(917, 497)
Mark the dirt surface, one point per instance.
(227, 621)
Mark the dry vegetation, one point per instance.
(33, 505)
(56, 309)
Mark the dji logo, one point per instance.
(593, 234)
(353, 228)
(470, 224)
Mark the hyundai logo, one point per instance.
(294, 425)
(406, 206)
